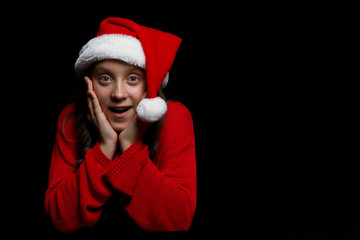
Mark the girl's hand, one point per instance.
(133, 132)
(107, 136)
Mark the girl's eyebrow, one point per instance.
(98, 70)
(101, 69)
(137, 69)
(132, 69)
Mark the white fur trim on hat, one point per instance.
(110, 46)
(151, 109)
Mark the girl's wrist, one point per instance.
(108, 149)
(125, 144)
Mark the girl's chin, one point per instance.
(119, 127)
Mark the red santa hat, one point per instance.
(144, 47)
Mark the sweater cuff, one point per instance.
(121, 161)
(125, 170)
(100, 156)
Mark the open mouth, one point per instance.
(119, 109)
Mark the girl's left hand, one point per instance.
(133, 132)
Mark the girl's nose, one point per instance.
(118, 93)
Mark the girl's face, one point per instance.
(119, 88)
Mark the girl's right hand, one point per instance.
(108, 138)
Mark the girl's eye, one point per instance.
(105, 79)
(133, 79)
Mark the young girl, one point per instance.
(121, 141)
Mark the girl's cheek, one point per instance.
(137, 93)
(101, 94)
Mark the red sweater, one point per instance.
(162, 191)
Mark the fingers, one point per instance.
(88, 82)
(107, 135)
(93, 103)
(90, 99)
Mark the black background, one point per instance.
(273, 135)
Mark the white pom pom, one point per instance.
(151, 109)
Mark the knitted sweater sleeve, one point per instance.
(162, 192)
(75, 197)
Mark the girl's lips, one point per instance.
(119, 112)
